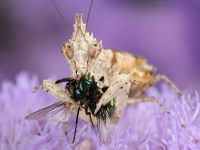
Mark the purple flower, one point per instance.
(143, 127)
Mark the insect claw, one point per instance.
(179, 92)
(97, 109)
(37, 88)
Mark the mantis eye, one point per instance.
(67, 51)
(95, 50)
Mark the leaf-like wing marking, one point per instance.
(118, 90)
(59, 112)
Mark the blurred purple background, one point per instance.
(166, 32)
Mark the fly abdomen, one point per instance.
(77, 94)
(107, 110)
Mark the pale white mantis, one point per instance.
(122, 74)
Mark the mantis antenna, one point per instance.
(88, 16)
(62, 18)
(59, 13)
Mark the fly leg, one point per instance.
(76, 124)
(63, 80)
(67, 80)
(88, 113)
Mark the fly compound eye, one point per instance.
(95, 49)
(67, 51)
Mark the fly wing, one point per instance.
(104, 126)
(59, 112)
(116, 99)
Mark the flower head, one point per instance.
(143, 126)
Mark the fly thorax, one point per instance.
(82, 88)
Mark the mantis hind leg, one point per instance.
(164, 78)
(137, 100)
(141, 87)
